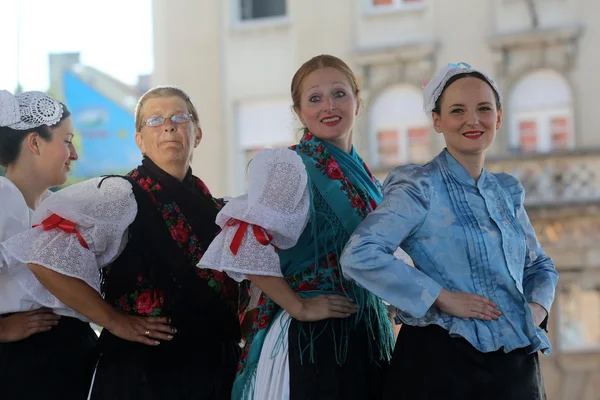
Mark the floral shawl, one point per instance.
(156, 275)
(343, 192)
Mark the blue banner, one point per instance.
(104, 131)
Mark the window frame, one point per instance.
(243, 149)
(543, 119)
(404, 144)
(238, 22)
(395, 6)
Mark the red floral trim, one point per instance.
(182, 233)
(324, 161)
(144, 300)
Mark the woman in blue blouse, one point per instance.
(482, 287)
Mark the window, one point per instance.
(404, 145)
(391, 5)
(528, 136)
(579, 316)
(250, 10)
(544, 131)
(559, 132)
(388, 148)
(262, 124)
(400, 129)
(542, 113)
(419, 144)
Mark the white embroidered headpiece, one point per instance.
(433, 89)
(28, 110)
(272, 215)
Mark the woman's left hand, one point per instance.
(539, 313)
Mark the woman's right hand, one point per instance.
(144, 330)
(467, 305)
(22, 325)
(323, 307)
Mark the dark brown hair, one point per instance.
(474, 74)
(12, 139)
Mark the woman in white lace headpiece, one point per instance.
(52, 344)
(122, 251)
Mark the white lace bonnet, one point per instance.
(433, 89)
(275, 211)
(28, 110)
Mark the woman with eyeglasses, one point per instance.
(40, 337)
(171, 330)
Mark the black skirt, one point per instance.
(360, 377)
(188, 367)
(429, 364)
(57, 364)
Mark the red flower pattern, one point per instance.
(262, 322)
(143, 303)
(326, 274)
(333, 169)
(202, 186)
(358, 202)
(373, 204)
(327, 163)
(305, 286)
(180, 234)
(146, 300)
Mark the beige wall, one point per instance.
(200, 47)
(221, 63)
(187, 53)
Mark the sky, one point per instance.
(114, 36)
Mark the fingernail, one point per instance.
(169, 337)
(174, 330)
(157, 342)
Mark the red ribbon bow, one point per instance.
(260, 233)
(56, 221)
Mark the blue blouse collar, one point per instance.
(458, 171)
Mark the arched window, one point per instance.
(400, 131)
(541, 113)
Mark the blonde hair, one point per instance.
(318, 62)
(162, 92)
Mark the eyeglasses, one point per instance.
(176, 119)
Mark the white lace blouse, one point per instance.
(101, 217)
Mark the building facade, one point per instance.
(236, 58)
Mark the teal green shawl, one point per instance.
(343, 192)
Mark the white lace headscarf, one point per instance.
(276, 211)
(434, 88)
(28, 110)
